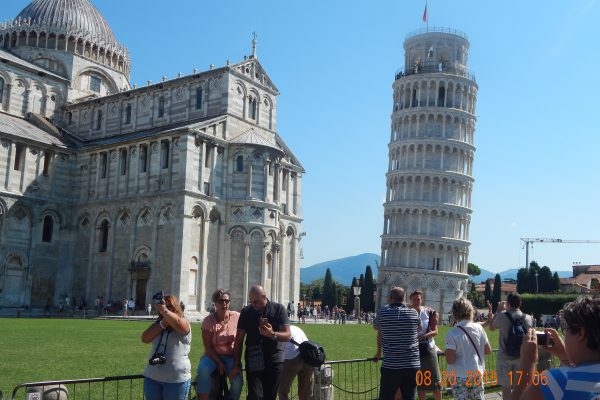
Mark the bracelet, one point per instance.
(274, 337)
(161, 325)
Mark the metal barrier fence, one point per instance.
(356, 379)
(112, 387)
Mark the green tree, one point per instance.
(316, 293)
(350, 296)
(545, 280)
(555, 283)
(487, 294)
(473, 269)
(368, 291)
(334, 296)
(474, 297)
(533, 282)
(523, 281)
(328, 287)
(497, 292)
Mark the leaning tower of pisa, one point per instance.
(427, 211)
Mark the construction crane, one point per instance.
(529, 241)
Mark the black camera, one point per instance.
(159, 298)
(158, 359)
(543, 339)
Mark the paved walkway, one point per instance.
(493, 396)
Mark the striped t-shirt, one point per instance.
(398, 325)
(570, 383)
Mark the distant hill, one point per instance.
(343, 269)
(510, 274)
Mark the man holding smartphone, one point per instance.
(267, 326)
(507, 316)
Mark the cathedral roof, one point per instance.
(72, 17)
(21, 128)
(253, 137)
(10, 58)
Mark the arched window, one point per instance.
(1, 90)
(239, 164)
(128, 113)
(95, 84)
(164, 154)
(161, 106)
(47, 229)
(103, 236)
(198, 98)
(252, 106)
(99, 120)
(441, 96)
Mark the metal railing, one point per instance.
(111, 387)
(436, 29)
(435, 68)
(356, 379)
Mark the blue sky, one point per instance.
(536, 63)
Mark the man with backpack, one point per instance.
(513, 326)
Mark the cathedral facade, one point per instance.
(107, 190)
(427, 212)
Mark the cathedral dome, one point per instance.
(73, 26)
(73, 16)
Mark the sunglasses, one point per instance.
(223, 301)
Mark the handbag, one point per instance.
(312, 353)
(255, 361)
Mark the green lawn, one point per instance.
(57, 349)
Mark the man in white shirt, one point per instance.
(294, 365)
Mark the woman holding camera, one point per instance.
(168, 373)
(218, 335)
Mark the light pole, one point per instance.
(356, 290)
(536, 282)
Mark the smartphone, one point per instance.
(543, 339)
(264, 320)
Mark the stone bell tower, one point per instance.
(427, 212)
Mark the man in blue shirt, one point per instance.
(397, 326)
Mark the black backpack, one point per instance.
(515, 336)
(312, 353)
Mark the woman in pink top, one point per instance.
(218, 335)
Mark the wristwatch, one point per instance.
(274, 337)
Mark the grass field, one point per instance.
(57, 349)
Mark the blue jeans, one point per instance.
(154, 390)
(207, 366)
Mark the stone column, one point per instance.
(249, 191)
(202, 285)
(246, 267)
(213, 163)
(264, 266)
(276, 184)
(201, 167)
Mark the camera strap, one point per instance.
(160, 343)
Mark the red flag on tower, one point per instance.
(425, 13)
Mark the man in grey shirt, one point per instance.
(507, 365)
